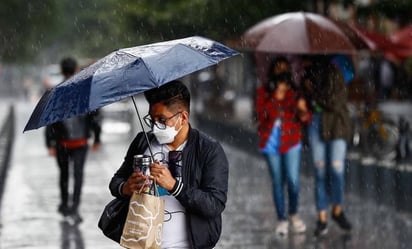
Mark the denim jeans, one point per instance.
(329, 161)
(285, 167)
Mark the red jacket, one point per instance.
(268, 109)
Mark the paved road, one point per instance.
(29, 219)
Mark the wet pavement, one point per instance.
(29, 217)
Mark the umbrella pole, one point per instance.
(144, 132)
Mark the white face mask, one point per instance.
(167, 135)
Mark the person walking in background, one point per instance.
(386, 79)
(279, 115)
(192, 170)
(328, 134)
(68, 141)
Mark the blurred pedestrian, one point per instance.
(328, 134)
(280, 114)
(68, 141)
(402, 149)
(386, 80)
(190, 168)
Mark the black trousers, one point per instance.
(71, 160)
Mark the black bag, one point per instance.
(113, 218)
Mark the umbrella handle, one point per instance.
(144, 132)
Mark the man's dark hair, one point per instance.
(68, 66)
(169, 94)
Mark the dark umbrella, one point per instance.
(355, 35)
(403, 37)
(124, 73)
(378, 42)
(389, 46)
(403, 40)
(298, 33)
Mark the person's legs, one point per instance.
(337, 171)
(79, 158)
(62, 158)
(275, 168)
(292, 170)
(274, 162)
(318, 149)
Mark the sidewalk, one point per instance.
(4, 111)
(29, 217)
(6, 140)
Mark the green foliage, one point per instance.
(51, 28)
(24, 27)
(224, 19)
(400, 10)
(89, 28)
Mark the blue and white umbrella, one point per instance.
(125, 73)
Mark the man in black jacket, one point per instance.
(190, 168)
(67, 140)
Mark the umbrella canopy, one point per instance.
(377, 41)
(393, 49)
(403, 36)
(298, 32)
(124, 73)
(355, 35)
(403, 39)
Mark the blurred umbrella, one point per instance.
(125, 73)
(355, 35)
(298, 33)
(376, 41)
(403, 41)
(403, 37)
(393, 49)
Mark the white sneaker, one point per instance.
(297, 225)
(282, 228)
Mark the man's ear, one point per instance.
(185, 117)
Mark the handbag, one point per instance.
(112, 220)
(273, 143)
(144, 222)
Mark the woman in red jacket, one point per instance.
(280, 115)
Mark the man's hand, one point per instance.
(301, 105)
(303, 110)
(162, 176)
(95, 147)
(135, 183)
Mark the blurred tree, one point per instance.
(52, 29)
(224, 19)
(25, 27)
(88, 28)
(399, 10)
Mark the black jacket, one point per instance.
(74, 128)
(205, 184)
